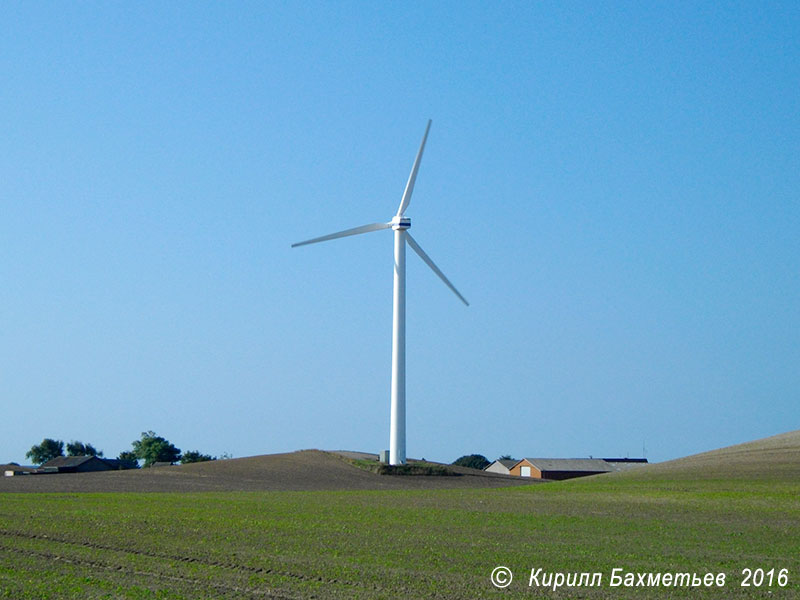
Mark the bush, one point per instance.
(194, 456)
(412, 468)
(473, 461)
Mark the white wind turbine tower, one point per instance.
(400, 224)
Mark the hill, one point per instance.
(305, 470)
(772, 458)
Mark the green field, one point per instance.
(410, 544)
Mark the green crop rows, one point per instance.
(407, 544)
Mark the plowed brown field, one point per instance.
(306, 470)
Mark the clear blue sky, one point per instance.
(613, 186)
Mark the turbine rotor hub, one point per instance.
(401, 222)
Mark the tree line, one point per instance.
(149, 449)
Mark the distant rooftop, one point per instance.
(67, 461)
(597, 465)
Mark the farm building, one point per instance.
(569, 468)
(623, 464)
(13, 469)
(75, 464)
(118, 465)
(559, 468)
(501, 465)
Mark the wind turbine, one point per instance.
(400, 224)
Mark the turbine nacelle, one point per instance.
(398, 222)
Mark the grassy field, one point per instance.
(723, 517)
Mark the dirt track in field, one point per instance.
(296, 471)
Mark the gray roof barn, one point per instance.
(75, 464)
(501, 465)
(570, 465)
(568, 468)
(623, 464)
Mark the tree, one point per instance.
(473, 461)
(506, 457)
(193, 456)
(153, 448)
(81, 449)
(45, 451)
(128, 460)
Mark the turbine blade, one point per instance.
(413, 177)
(416, 248)
(345, 233)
